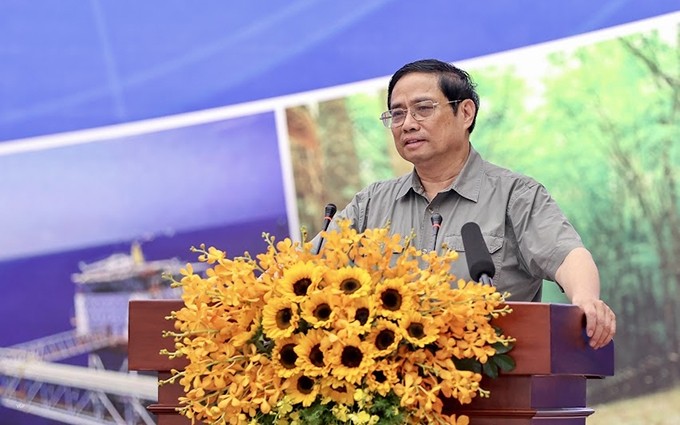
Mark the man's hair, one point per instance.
(455, 83)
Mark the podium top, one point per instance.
(551, 339)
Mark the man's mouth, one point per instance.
(409, 142)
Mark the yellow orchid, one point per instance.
(368, 331)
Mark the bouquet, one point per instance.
(369, 331)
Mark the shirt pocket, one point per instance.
(493, 244)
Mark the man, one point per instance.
(432, 112)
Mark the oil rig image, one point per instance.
(36, 377)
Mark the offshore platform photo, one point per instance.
(36, 376)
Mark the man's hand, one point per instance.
(600, 321)
(580, 279)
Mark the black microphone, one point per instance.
(436, 224)
(477, 254)
(328, 212)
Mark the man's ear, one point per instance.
(468, 109)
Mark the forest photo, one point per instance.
(598, 124)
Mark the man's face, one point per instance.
(436, 139)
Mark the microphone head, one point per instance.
(436, 219)
(476, 252)
(330, 210)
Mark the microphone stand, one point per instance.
(436, 220)
(485, 279)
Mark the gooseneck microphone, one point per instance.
(477, 254)
(436, 224)
(328, 213)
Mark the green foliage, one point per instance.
(262, 343)
(386, 408)
(500, 361)
(599, 128)
(472, 365)
(370, 137)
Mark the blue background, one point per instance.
(68, 65)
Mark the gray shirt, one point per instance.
(525, 231)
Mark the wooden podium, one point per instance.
(548, 386)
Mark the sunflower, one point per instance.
(285, 358)
(300, 279)
(320, 308)
(365, 331)
(382, 377)
(338, 391)
(418, 330)
(352, 281)
(279, 318)
(359, 311)
(393, 298)
(301, 389)
(385, 337)
(350, 356)
(311, 351)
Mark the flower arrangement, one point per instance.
(370, 331)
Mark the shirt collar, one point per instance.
(409, 182)
(467, 184)
(469, 181)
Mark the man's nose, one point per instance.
(410, 120)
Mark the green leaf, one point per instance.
(490, 369)
(501, 348)
(505, 362)
(468, 364)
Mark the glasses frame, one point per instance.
(386, 117)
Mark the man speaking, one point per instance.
(432, 110)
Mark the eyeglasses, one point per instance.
(419, 111)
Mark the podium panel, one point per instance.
(547, 387)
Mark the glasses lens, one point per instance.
(398, 116)
(386, 118)
(423, 109)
